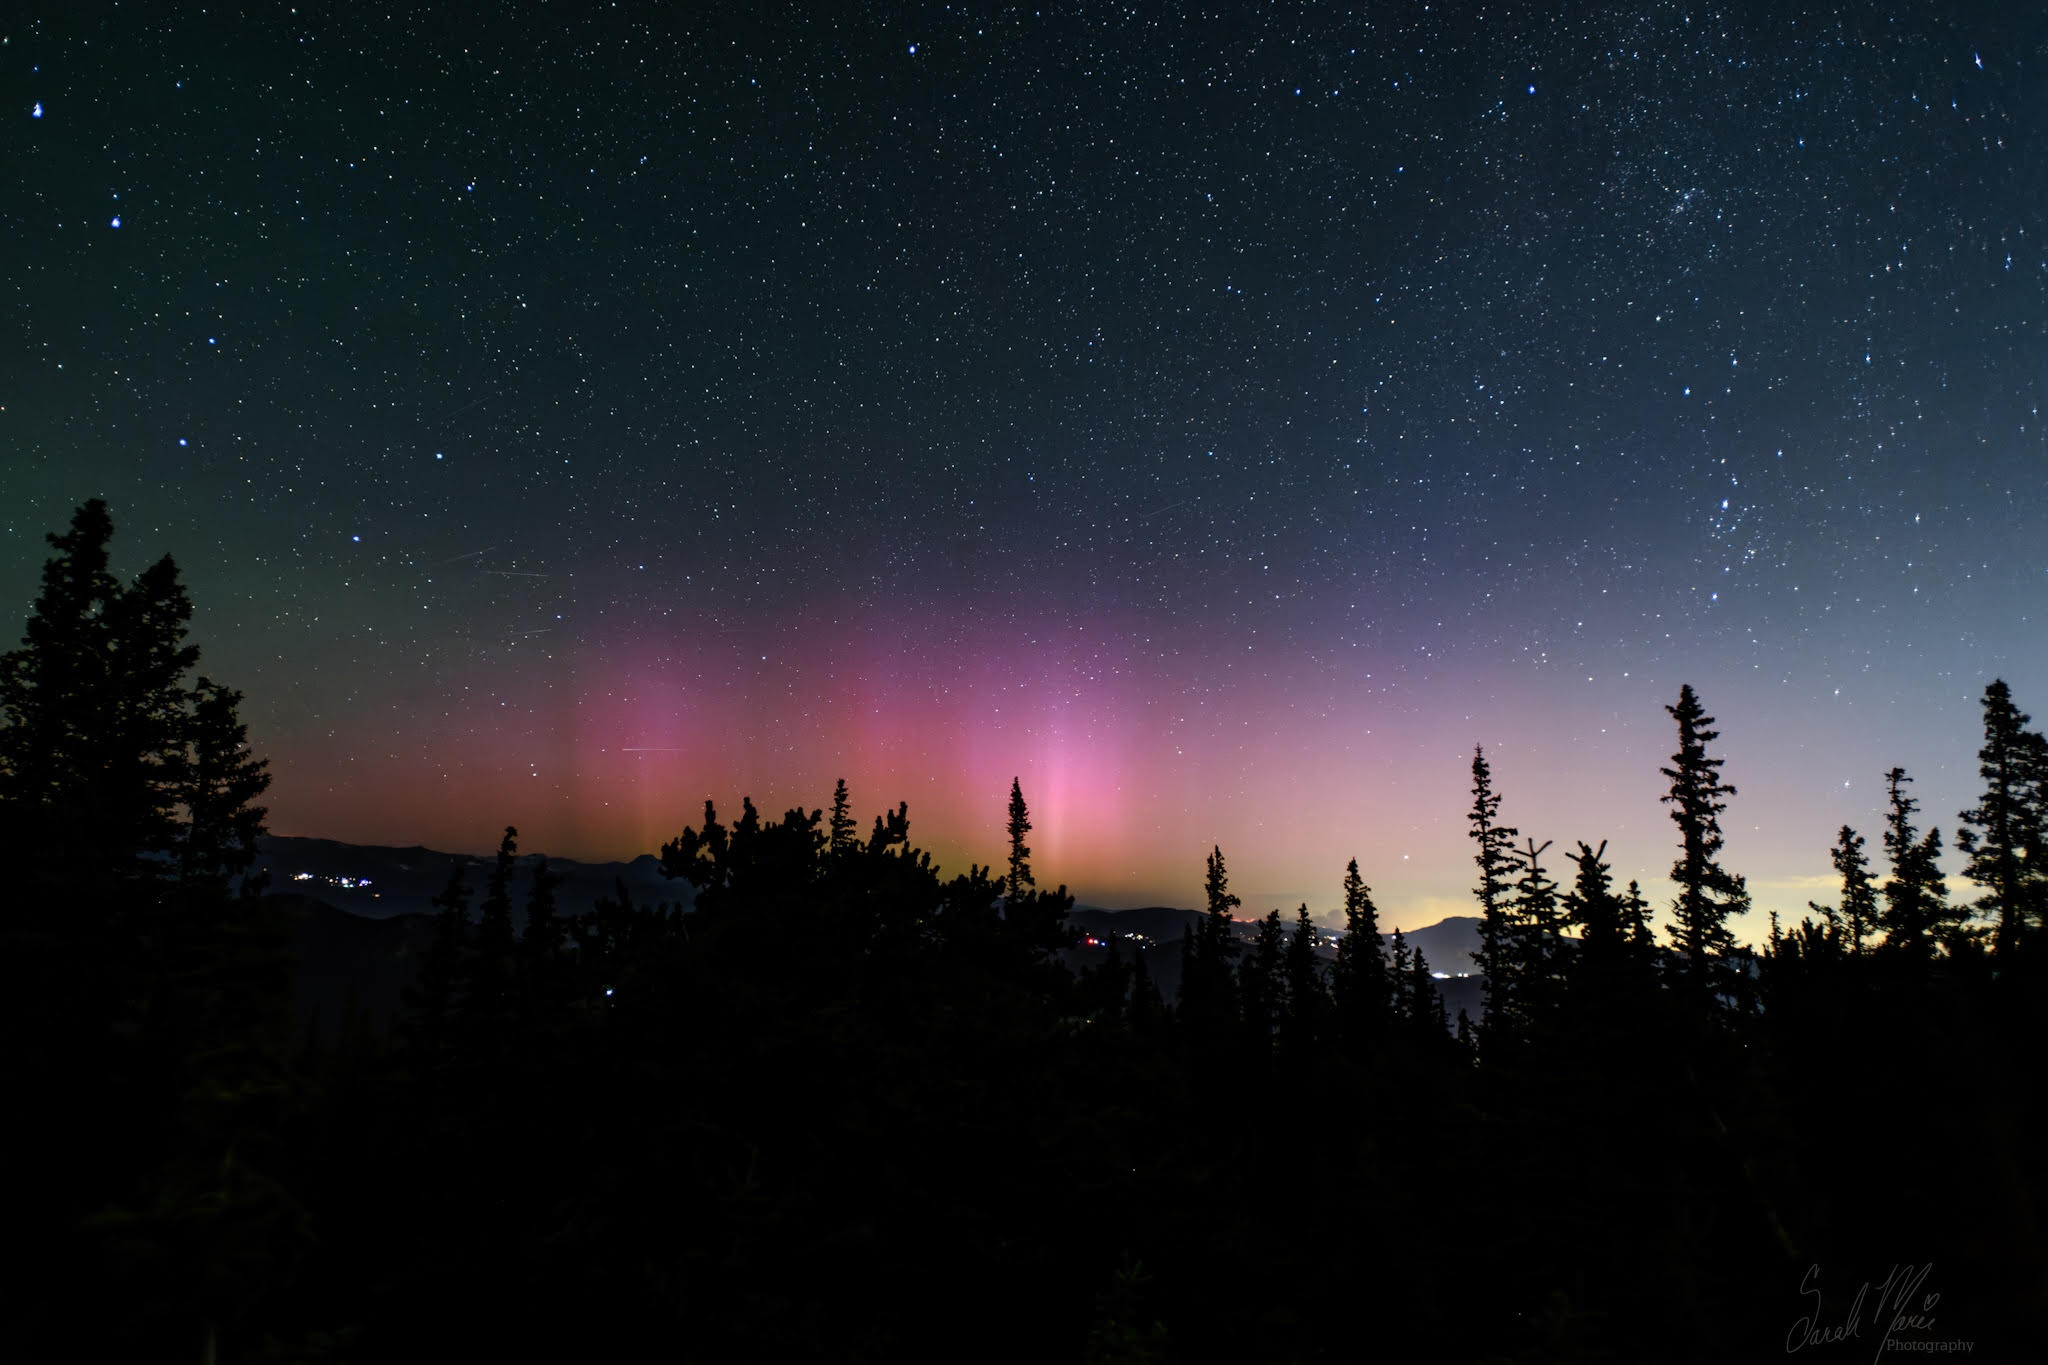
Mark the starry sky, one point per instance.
(1221, 421)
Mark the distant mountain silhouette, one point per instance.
(361, 917)
(1448, 944)
(1160, 923)
(381, 883)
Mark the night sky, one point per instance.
(1221, 423)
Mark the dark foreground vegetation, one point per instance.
(850, 1108)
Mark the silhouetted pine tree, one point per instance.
(220, 781)
(544, 931)
(616, 939)
(892, 830)
(95, 721)
(1208, 997)
(1261, 986)
(1035, 920)
(841, 832)
(1807, 945)
(1857, 913)
(223, 994)
(1035, 924)
(543, 979)
(1707, 894)
(1538, 941)
(126, 817)
(1592, 905)
(971, 922)
(1499, 954)
(1308, 1002)
(1830, 925)
(1020, 854)
(743, 851)
(1610, 977)
(491, 967)
(1635, 920)
(436, 996)
(1358, 982)
(698, 856)
(2003, 835)
(1916, 909)
(1425, 1005)
(58, 685)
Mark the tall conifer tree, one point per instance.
(437, 994)
(1858, 910)
(1307, 997)
(1358, 982)
(544, 928)
(1635, 920)
(843, 832)
(1261, 984)
(1592, 905)
(1426, 1016)
(1708, 895)
(1540, 921)
(1020, 854)
(1915, 898)
(126, 815)
(2002, 835)
(96, 723)
(220, 781)
(1499, 953)
(491, 968)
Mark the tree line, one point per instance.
(846, 1106)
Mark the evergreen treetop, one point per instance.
(1708, 895)
(103, 748)
(1858, 910)
(1020, 853)
(1915, 898)
(1499, 954)
(1592, 905)
(1359, 980)
(841, 833)
(2003, 835)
